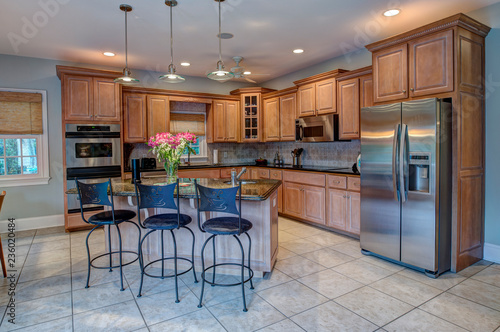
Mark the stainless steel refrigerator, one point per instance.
(406, 183)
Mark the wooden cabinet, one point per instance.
(134, 118)
(288, 111)
(348, 106)
(88, 98)
(293, 200)
(279, 118)
(424, 66)
(343, 203)
(226, 121)
(306, 96)
(272, 120)
(336, 209)
(278, 175)
(158, 114)
(251, 117)
(213, 173)
(366, 91)
(317, 98)
(314, 204)
(353, 213)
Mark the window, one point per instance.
(23, 138)
(193, 122)
(200, 147)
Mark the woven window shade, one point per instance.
(183, 122)
(20, 113)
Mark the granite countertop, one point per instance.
(254, 190)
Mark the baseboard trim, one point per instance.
(491, 252)
(25, 224)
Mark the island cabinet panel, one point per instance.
(158, 114)
(294, 200)
(306, 95)
(390, 73)
(134, 121)
(213, 173)
(272, 120)
(314, 204)
(353, 215)
(288, 111)
(78, 98)
(326, 97)
(278, 175)
(107, 105)
(336, 209)
(348, 106)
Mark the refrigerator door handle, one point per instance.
(395, 163)
(403, 155)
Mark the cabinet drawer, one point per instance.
(200, 173)
(226, 172)
(263, 173)
(339, 182)
(305, 178)
(275, 175)
(353, 184)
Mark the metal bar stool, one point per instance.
(162, 197)
(223, 200)
(97, 193)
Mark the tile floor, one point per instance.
(321, 282)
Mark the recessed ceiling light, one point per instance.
(109, 54)
(185, 64)
(247, 72)
(225, 35)
(391, 12)
(298, 51)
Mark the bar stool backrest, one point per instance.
(157, 197)
(95, 193)
(2, 196)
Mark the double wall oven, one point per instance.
(92, 155)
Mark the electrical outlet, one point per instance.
(225, 154)
(265, 154)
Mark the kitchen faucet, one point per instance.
(236, 178)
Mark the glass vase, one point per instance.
(172, 168)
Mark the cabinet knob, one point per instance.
(404, 91)
(344, 196)
(411, 89)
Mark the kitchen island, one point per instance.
(259, 205)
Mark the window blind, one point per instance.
(184, 122)
(20, 113)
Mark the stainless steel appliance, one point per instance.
(323, 128)
(91, 145)
(406, 183)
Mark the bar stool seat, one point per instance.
(106, 218)
(226, 226)
(166, 221)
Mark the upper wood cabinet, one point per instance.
(134, 118)
(272, 120)
(279, 118)
(307, 100)
(423, 66)
(87, 98)
(288, 111)
(158, 114)
(226, 116)
(366, 91)
(251, 118)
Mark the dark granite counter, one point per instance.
(253, 190)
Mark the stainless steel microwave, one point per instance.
(321, 128)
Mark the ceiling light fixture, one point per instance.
(391, 12)
(247, 73)
(185, 64)
(220, 74)
(126, 78)
(298, 51)
(108, 53)
(171, 76)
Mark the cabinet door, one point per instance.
(211, 173)
(390, 73)
(431, 64)
(353, 212)
(307, 100)
(251, 118)
(219, 117)
(158, 114)
(134, 121)
(288, 111)
(254, 173)
(106, 100)
(326, 102)
(366, 91)
(336, 204)
(348, 105)
(278, 175)
(294, 200)
(232, 121)
(271, 120)
(314, 204)
(78, 98)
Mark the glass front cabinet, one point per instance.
(251, 117)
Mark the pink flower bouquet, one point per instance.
(169, 148)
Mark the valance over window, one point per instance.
(20, 113)
(183, 122)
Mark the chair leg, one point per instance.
(249, 255)
(120, 253)
(242, 273)
(141, 261)
(175, 268)
(213, 248)
(88, 255)
(110, 249)
(203, 269)
(162, 256)
(4, 268)
(192, 254)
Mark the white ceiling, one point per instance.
(265, 31)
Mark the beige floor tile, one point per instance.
(406, 289)
(51, 230)
(328, 239)
(95, 249)
(271, 279)
(123, 316)
(99, 296)
(383, 263)
(97, 277)
(159, 307)
(496, 265)
(490, 275)
(150, 285)
(373, 305)
(298, 266)
(64, 324)
(260, 313)
(330, 283)
(479, 292)
(421, 321)
(34, 272)
(51, 238)
(18, 241)
(304, 297)
(50, 246)
(31, 290)
(330, 317)
(350, 248)
(464, 313)
(363, 272)
(328, 257)
(200, 320)
(443, 282)
(475, 268)
(40, 311)
(285, 253)
(19, 250)
(48, 257)
(285, 223)
(285, 325)
(283, 236)
(301, 246)
(304, 231)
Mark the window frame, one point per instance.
(43, 176)
(203, 156)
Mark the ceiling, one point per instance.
(265, 31)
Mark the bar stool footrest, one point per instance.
(170, 275)
(114, 266)
(250, 271)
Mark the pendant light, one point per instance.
(126, 78)
(171, 76)
(220, 74)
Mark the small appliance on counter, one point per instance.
(296, 153)
(136, 170)
(148, 163)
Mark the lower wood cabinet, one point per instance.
(213, 173)
(305, 202)
(278, 175)
(343, 210)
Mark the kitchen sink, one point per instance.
(242, 182)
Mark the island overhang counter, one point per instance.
(259, 204)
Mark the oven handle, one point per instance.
(92, 135)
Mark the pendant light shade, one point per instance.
(171, 76)
(126, 78)
(220, 74)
